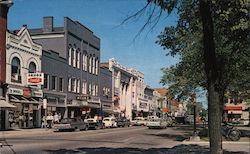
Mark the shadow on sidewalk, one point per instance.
(184, 149)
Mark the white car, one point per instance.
(157, 123)
(109, 122)
(139, 121)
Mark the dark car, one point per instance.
(71, 124)
(94, 123)
(122, 122)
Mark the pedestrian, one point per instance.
(56, 118)
(44, 122)
(59, 117)
(49, 119)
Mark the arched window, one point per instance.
(32, 67)
(16, 70)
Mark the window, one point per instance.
(86, 63)
(93, 90)
(96, 90)
(32, 67)
(60, 84)
(73, 85)
(84, 87)
(70, 56)
(93, 65)
(96, 66)
(53, 84)
(90, 64)
(69, 84)
(74, 57)
(15, 70)
(46, 81)
(78, 86)
(90, 89)
(78, 59)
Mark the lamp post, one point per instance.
(193, 98)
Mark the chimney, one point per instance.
(48, 24)
(4, 7)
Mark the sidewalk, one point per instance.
(20, 132)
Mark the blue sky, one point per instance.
(103, 18)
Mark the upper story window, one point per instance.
(69, 84)
(32, 67)
(61, 82)
(84, 62)
(70, 56)
(53, 83)
(74, 57)
(90, 64)
(78, 59)
(93, 65)
(46, 81)
(16, 70)
(96, 66)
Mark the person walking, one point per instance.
(56, 118)
(49, 119)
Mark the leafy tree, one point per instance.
(212, 40)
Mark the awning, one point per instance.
(4, 104)
(236, 108)
(164, 109)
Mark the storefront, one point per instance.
(27, 113)
(84, 106)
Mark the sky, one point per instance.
(104, 18)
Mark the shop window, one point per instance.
(16, 70)
(32, 67)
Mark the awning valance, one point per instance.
(4, 104)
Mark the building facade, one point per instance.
(55, 85)
(4, 8)
(81, 49)
(123, 88)
(107, 104)
(23, 56)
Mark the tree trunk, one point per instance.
(211, 68)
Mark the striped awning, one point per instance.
(4, 104)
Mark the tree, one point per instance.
(212, 40)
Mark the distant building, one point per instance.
(123, 88)
(106, 91)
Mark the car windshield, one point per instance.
(66, 120)
(155, 119)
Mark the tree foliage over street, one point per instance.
(212, 40)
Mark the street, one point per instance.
(116, 140)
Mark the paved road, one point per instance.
(132, 140)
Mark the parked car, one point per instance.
(109, 122)
(157, 123)
(94, 123)
(139, 121)
(71, 124)
(122, 122)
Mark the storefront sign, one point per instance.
(38, 93)
(27, 92)
(15, 91)
(35, 78)
(82, 97)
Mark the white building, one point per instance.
(23, 56)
